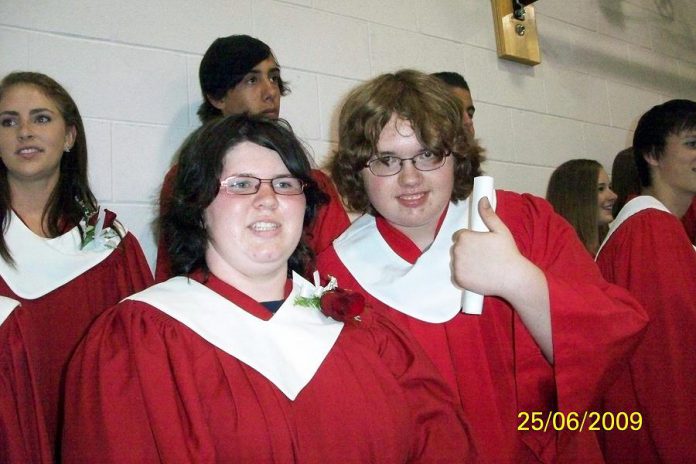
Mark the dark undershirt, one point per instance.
(273, 306)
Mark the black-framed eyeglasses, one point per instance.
(389, 165)
(249, 185)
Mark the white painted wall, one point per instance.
(132, 67)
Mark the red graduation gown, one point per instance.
(689, 222)
(143, 387)
(331, 219)
(50, 327)
(23, 437)
(650, 255)
(493, 362)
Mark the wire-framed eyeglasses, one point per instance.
(249, 185)
(389, 165)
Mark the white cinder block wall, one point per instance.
(132, 67)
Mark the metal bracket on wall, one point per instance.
(515, 31)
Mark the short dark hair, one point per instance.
(672, 117)
(224, 65)
(72, 195)
(435, 116)
(452, 79)
(197, 183)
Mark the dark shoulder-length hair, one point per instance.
(650, 137)
(572, 191)
(625, 181)
(197, 183)
(434, 113)
(72, 195)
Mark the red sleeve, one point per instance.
(137, 275)
(651, 256)
(163, 269)
(23, 435)
(595, 325)
(443, 435)
(689, 222)
(331, 219)
(112, 413)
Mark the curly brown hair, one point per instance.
(434, 113)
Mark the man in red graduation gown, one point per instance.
(240, 74)
(648, 252)
(551, 330)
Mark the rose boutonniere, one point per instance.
(334, 302)
(96, 237)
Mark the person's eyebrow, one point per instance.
(34, 111)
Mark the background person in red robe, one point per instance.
(551, 330)
(61, 259)
(224, 363)
(649, 253)
(239, 74)
(579, 191)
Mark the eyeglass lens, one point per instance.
(247, 185)
(391, 165)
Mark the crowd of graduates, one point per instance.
(275, 329)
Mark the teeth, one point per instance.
(25, 151)
(415, 196)
(264, 226)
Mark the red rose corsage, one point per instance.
(337, 303)
(342, 305)
(97, 229)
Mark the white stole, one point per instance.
(287, 349)
(424, 290)
(7, 305)
(634, 206)
(44, 264)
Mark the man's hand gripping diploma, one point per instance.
(489, 263)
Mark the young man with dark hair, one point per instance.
(460, 88)
(648, 252)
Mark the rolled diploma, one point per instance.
(472, 303)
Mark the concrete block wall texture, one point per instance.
(132, 67)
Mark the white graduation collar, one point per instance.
(7, 305)
(287, 349)
(424, 290)
(44, 264)
(634, 206)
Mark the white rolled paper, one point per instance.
(472, 303)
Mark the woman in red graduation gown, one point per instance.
(61, 259)
(233, 361)
(240, 74)
(648, 252)
(551, 329)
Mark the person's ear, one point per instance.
(650, 158)
(70, 136)
(217, 103)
